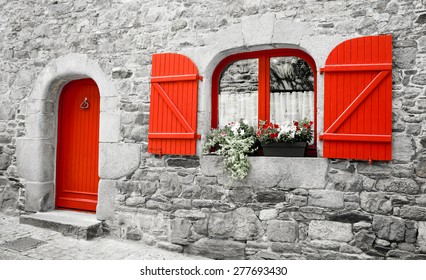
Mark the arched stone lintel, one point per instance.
(36, 151)
(250, 35)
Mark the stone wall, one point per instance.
(285, 209)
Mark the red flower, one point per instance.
(296, 123)
(276, 126)
(274, 135)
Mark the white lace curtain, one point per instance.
(285, 107)
(233, 107)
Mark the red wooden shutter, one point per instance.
(173, 108)
(358, 100)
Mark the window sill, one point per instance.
(272, 172)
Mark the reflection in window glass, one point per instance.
(291, 90)
(238, 92)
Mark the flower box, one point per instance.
(282, 149)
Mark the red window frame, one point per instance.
(263, 57)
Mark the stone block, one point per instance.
(404, 58)
(109, 127)
(382, 242)
(9, 197)
(211, 165)
(181, 203)
(291, 172)
(265, 255)
(258, 29)
(35, 159)
(326, 198)
(330, 231)
(270, 196)
(375, 171)
(170, 247)
(148, 188)
(361, 225)
(212, 192)
(145, 222)
(221, 225)
(417, 213)
(325, 244)
(402, 147)
(291, 32)
(421, 239)
(345, 248)
(247, 225)
(229, 37)
(117, 160)
(160, 225)
(40, 126)
(421, 168)
(189, 214)
(257, 244)
(268, 172)
(282, 231)
(135, 201)
(152, 204)
(203, 181)
(180, 228)
(4, 161)
(199, 228)
(389, 228)
(190, 162)
(191, 191)
(378, 203)
(286, 247)
(133, 233)
(349, 216)
(110, 104)
(39, 197)
(408, 186)
(364, 239)
(268, 214)
(218, 249)
(411, 229)
(107, 190)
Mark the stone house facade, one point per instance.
(287, 208)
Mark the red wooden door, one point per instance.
(78, 146)
(173, 108)
(358, 99)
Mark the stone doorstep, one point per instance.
(70, 223)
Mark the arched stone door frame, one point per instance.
(36, 157)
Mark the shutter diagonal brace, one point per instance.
(190, 132)
(353, 106)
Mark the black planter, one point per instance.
(297, 149)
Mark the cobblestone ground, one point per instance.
(60, 247)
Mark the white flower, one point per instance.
(245, 121)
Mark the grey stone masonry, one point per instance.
(286, 208)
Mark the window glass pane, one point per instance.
(238, 91)
(292, 90)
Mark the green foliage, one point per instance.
(233, 142)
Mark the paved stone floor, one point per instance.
(60, 247)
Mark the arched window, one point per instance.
(273, 85)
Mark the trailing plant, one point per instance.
(233, 142)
